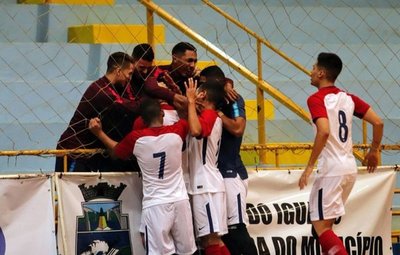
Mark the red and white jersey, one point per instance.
(159, 154)
(170, 118)
(170, 115)
(338, 107)
(203, 156)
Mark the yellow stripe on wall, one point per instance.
(80, 2)
(113, 33)
(31, 1)
(286, 157)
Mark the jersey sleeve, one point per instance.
(238, 108)
(360, 106)
(138, 124)
(207, 119)
(181, 128)
(124, 149)
(317, 107)
(153, 90)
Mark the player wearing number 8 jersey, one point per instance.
(166, 213)
(338, 108)
(332, 110)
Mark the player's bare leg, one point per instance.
(213, 245)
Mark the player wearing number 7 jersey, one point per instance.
(332, 112)
(166, 213)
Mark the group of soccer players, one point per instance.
(187, 141)
(189, 146)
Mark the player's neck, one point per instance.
(111, 78)
(325, 83)
(208, 105)
(156, 124)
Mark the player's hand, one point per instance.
(162, 84)
(371, 160)
(230, 93)
(180, 102)
(191, 86)
(171, 84)
(95, 126)
(303, 181)
(199, 105)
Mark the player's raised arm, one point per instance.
(96, 128)
(194, 122)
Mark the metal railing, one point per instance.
(262, 85)
(275, 147)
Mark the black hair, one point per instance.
(215, 92)
(118, 60)
(143, 51)
(213, 73)
(182, 47)
(331, 63)
(150, 110)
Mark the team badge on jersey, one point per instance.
(102, 228)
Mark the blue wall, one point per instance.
(42, 77)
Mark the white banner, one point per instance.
(99, 214)
(26, 216)
(278, 214)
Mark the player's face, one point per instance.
(124, 74)
(143, 69)
(200, 95)
(315, 75)
(186, 63)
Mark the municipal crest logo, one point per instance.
(102, 228)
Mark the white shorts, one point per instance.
(328, 196)
(236, 193)
(209, 212)
(168, 228)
